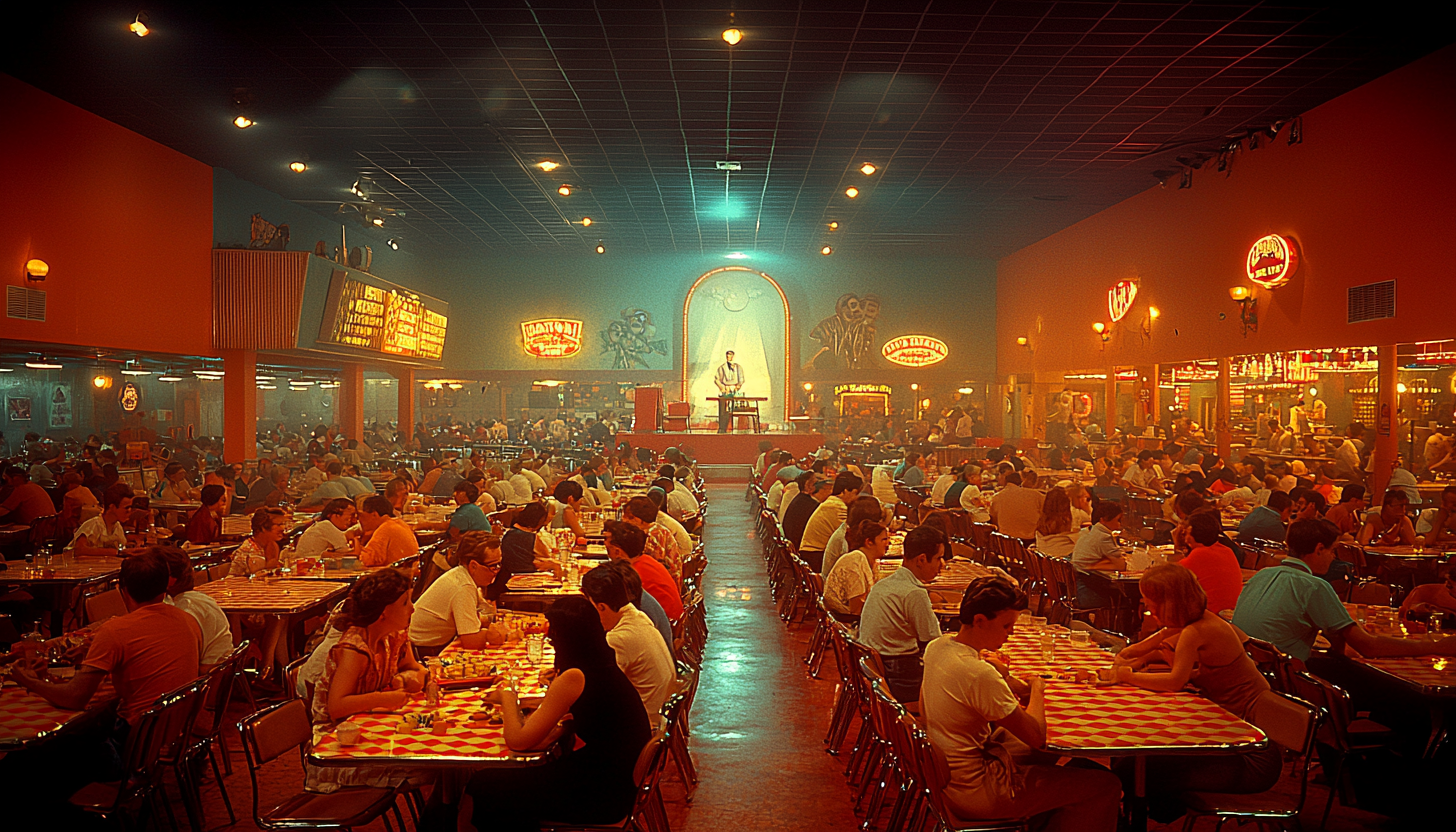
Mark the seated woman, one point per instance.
(849, 582)
(522, 550)
(591, 784)
(974, 714)
(257, 553)
(450, 609)
(1058, 528)
(568, 495)
(371, 666)
(1203, 650)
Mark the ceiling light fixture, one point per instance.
(139, 26)
(966, 391)
(564, 190)
(169, 377)
(601, 249)
(393, 243)
(378, 221)
(455, 385)
(361, 188)
(826, 250)
(585, 221)
(100, 382)
(132, 368)
(834, 226)
(7, 369)
(736, 255)
(547, 165)
(867, 168)
(298, 167)
(851, 192)
(732, 36)
(266, 386)
(41, 363)
(1022, 340)
(242, 122)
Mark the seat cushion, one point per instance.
(345, 807)
(1266, 804)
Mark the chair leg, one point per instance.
(227, 800)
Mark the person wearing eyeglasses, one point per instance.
(450, 609)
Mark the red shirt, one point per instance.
(1343, 519)
(660, 585)
(148, 652)
(203, 527)
(1217, 569)
(27, 502)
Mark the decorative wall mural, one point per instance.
(633, 338)
(267, 235)
(847, 337)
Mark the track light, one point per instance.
(393, 243)
(361, 188)
(547, 165)
(601, 249)
(585, 221)
(298, 167)
(826, 250)
(242, 122)
(564, 190)
(834, 226)
(139, 26)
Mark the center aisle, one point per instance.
(759, 720)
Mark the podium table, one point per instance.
(739, 406)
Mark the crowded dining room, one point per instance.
(916, 416)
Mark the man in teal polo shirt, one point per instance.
(1288, 605)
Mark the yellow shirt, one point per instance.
(392, 542)
(822, 523)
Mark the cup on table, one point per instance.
(348, 733)
(535, 647)
(1048, 648)
(351, 563)
(1038, 623)
(1081, 638)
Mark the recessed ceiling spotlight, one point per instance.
(378, 221)
(242, 122)
(564, 190)
(732, 36)
(826, 250)
(834, 226)
(851, 192)
(867, 168)
(585, 221)
(393, 243)
(601, 249)
(298, 167)
(139, 26)
(547, 165)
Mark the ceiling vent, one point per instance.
(25, 304)
(1371, 302)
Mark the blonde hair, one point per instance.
(1174, 593)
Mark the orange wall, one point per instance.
(125, 224)
(1370, 195)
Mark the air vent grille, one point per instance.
(1371, 302)
(25, 304)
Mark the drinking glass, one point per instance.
(1081, 638)
(1048, 648)
(535, 647)
(1038, 623)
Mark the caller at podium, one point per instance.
(729, 379)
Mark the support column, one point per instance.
(1223, 430)
(350, 405)
(1111, 398)
(1144, 408)
(1156, 396)
(406, 415)
(1387, 422)
(239, 405)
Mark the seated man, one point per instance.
(626, 542)
(269, 492)
(1096, 550)
(1443, 527)
(897, 620)
(644, 600)
(827, 517)
(27, 501)
(390, 540)
(522, 550)
(1289, 604)
(1428, 598)
(217, 632)
(105, 534)
(205, 525)
(1215, 565)
(1390, 526)
(450, 609)
(661, 544)
(330, 534)
(641, 653)
(973, 714)
(468, 515)
(331, 488)
(1266, 522)
(812, 492)
(149, 652)
(1347, 513)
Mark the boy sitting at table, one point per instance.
(1389, 526)
(973, 715)
(1097, 550)
(898, 619)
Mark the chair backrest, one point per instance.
(981, 540)
(1275, 664)
(649, 760)
(271, 732)
(1333, 700)
(1371, 593)
(218, 571)
(45, 531)
(104, 605)
(160, 732)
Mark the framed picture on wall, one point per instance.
(17, 409)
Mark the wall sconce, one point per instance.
(808, 387)
(1023, 341)
(36, 270)
(1248, 308)
(1103, 331)
(1153, 314)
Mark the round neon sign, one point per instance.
(915, 350)
(1272, 261)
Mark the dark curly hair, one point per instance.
(369, 596)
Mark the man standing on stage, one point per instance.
(729, 379)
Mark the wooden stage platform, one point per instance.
(712, 448)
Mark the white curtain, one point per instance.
(740, 311)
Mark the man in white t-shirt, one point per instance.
(973, 712)
(641, 653)
(104, 534)
(943, 484)
(521, 485)
(330, 533)
(217, 631)
(450, 609)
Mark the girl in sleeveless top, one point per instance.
(1197, 648)
(591, 784)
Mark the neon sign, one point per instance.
(1120, 298)
(915, 351)
(130, 397)
(860, 389)
(1272, 261)
(551, 337)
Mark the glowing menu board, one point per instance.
(381, 319)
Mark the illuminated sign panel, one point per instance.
(130, 397)
(915, 350)
(379, 319)
(859, 389)
(1120, 298)
(1272, 261)
(551, 337)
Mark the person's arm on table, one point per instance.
(1029, 724)
(1184, 657)
(1362, 641)
(343, 703)
(71, 695)
(543, 726)
(1149, 649)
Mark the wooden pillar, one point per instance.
(406, 416)
(1223, 430)
(239, 405)
(350, 404)
(1387, 425)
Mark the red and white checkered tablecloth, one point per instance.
(278, 597)
(464, 742)
(514, 654)
(1431, 675)
(1115, 719)
(24, 717)
(83, 569)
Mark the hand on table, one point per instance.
(393, 699)
(410, 681)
